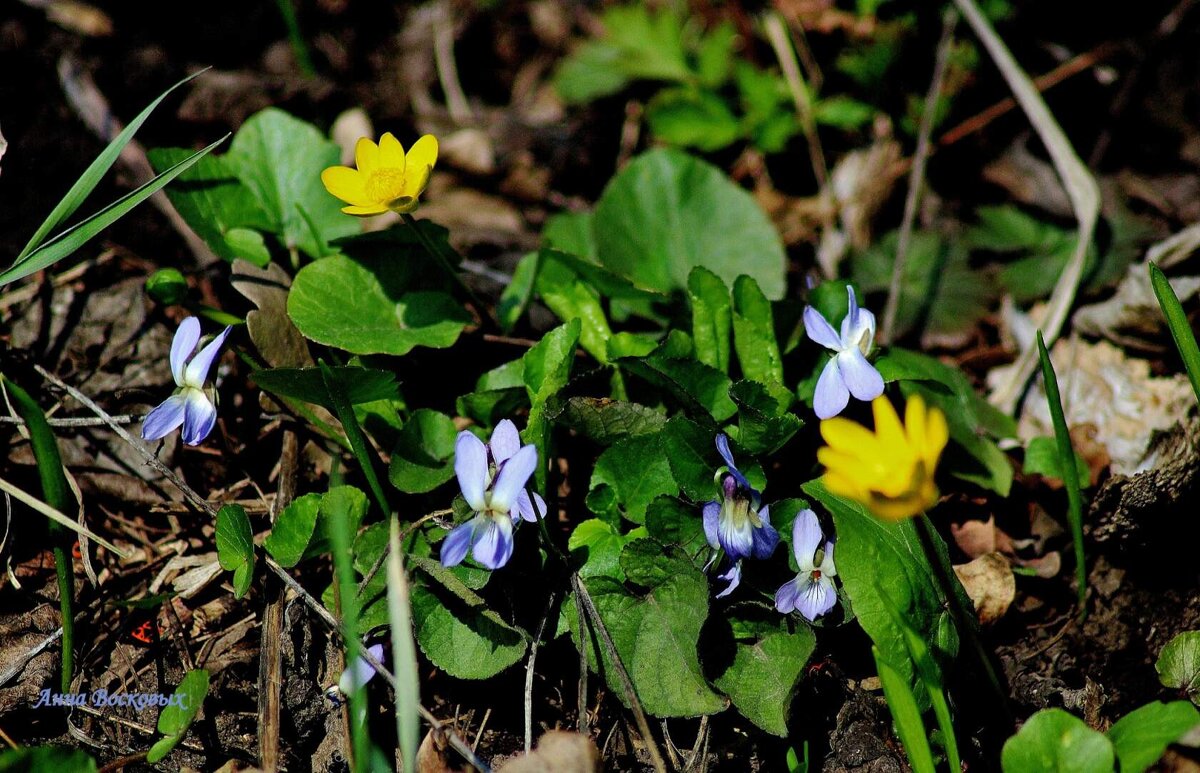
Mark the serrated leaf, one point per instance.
(754, 333)
(571, 298)
(636, 470)
(235, 546)
(606, 421)
(763, 427)
(670, 367)
(546, 370)
(764, 673)
(691, 452)
(596, 546)
(692, 118)
(678, 524)
(712, 317)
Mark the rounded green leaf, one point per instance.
(364, 308)
(1054, 740)
(1178, 664)
(667, 212)
(424, 455)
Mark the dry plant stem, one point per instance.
(83, 421)
(529, 665)
(123, 762)
(581, 721)
(610, 649)
(916, 176)
(313, 604)
(270, 658)
(1079, 183)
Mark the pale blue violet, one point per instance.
(848, 372)
(736, 524)
(492, 478)
(811, 593)
(192, 404)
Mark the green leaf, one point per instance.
(597, 546)
(692, 118)
(907, 716)
(235, 546)
(676, 523)
(606, 421)
(754, 333)
(593, 70)
(1178, 664)
(715, 54)
(91, 176)
(408, 686)
(571, 232)
(424, 455)
(670, 367)
(176, 717)
(763, 427)
(636, 470)
(341, 507)
(691, 451)
(869, 548)
(656, 635)
(361, 385)
(571, 298)
(293, 530)
(712, 317)
(35, 758)
(167, 286)
(280, 159)
(218, 207)
(516, 296)
(667, 212)
(1041, 458)
(67, 242)
(364, 453)
(1177, 322)
(843, 112)
(456, 630)
(365, 308)
(1052, 739)
(1142, 736)
(764, 673)
(547, 367)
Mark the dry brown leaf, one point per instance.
(470, 150)
(1132, 317)
(270, 328)
(975, 538)
(558, 751)
(990, 583)
(434, 757)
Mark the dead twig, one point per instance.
(916, 177)
(79, 421)
(533, 648)
(270, 655)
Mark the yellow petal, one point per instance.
(416, 179)
(849, 436)
(892, 440)
(403, 204)
(366, 211)
(391, 152)
(366, 156)
(424, 152)
(346, 183)
(845, 487)
(937, 434)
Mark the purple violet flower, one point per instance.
(848, 372)
(736, 524)
(492, 478)
(733, 576)
(192, 404)
(811, 593)
(360, 671)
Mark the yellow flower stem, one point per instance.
(481, 308)
(964, 617)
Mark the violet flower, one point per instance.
(732, 576)
(358, 673)
(736, 524)
(848, 373)
(811, 593)
(492, 478)
(192, 404)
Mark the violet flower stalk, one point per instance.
(492, 478)
(811, 593)
(848, 372)
(193, 405)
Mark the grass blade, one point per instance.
(58, 495)
(341, 540)
(1177, 322)
(91, 177)
(1070, 473)
(906, 715)
(404, 653)
(76, 236)
(362, 452)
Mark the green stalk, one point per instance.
(58, 495)
(1070, 473)
(347, 592)
(1181, 331)
(440, 256)
(296, 38)
(354, 433)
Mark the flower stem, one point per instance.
(481, 308)
(964, 618)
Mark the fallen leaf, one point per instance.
(990, 583)
(1132, 317)
(558, 751)
(270, 328)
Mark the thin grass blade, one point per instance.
(404, 653)
(91, 177)
(1177, 322)
(362, 452)
(907, 716)
(1070, 473)
(75, 237)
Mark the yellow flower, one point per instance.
(891, 469)
(386, 178)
